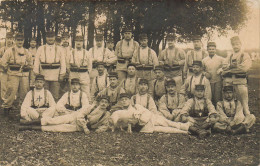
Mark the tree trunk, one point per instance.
(40, 24)
(91, 25)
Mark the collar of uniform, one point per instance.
(232, 101)
(237, 54)
(212, 56)
(38, 91)
(50, 46)
(143, 94)
(173, 94)
(146, 48)
(128, 41)
(113, 89)
(20, 50)
(131, 78)
(199, 100)
(198, 75)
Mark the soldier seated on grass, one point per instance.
(68, 107)
(200, 112)
(232, 119)
(96, 117)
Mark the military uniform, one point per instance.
(67, 50)
(18, 62)
(145, 59)
(213, 66)
(124, 52)
(232, 116)
(3, 74)
(80, 66)
(198, 111)
(38, 104)
(94, 118)
(130, 84)
(193, 55)
(170, 104)
(100, 54)
(173, 60)
(33, 52)
(51, 63)
(112, 92)
(237, 75)
(157, 87)
(100, 82)
(188, 87)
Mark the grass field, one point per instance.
(32, 148)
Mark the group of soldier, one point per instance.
(174, 92)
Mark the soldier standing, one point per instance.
(110, 45)
(18, 62)
(173, 59)
(212, 65)
(194, 55)
(124, 52)
(51, 63)
(3, 74)
(81, 65)
(145, 59)
(32, 50)
(64, 84)
(100, 54)
(235, 73)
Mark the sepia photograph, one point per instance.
(129, 82)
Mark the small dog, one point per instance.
(121, 119)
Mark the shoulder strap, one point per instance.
(97, 82)
(45, 97)
(178, 99)
(166, 53)
(118, 92)
(193, 105)
(201, 78)
(80, 97)
(167, 98)
(134, 98)
(154, 91)
(138, 54)
(124, 83)
(149, 55)
(121, 53)
(241, 58)
(134, 44)
(56, 52)
(93, 108)
(84, 53)
(148, 101)
(192, 55)
(69, 97)
(13, 49)
(205, 104)
(191, 82)
(73, 54)
(177, 53)
(104, 51)
(32, 103)
(106, 79)
(93, 55)
(223, 107)
(230, 59)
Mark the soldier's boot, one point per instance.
(23, 128)
(240, 130)
(33, 122)
(201, 133)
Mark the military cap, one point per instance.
(75, 81)
(9, 35)
(39, 77)
(65, 35)
(50, 34)
(143, 81)
(234, 39)
(170, 82)
(113, 74)
(159, 68)
(143, 36)
(131, 64)
(127, 29)
(79, 38)
(228, 88)
(211, 44)
(19, 35)
(100, 63)
(110, 40)
(170, 36)
(104, 97)
(196, 37)
(199, 87)
(124, 95)
(99, 37)
(58, 39)
(199, 63)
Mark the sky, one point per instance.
(249, 35)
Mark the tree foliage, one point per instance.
(156, 18)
